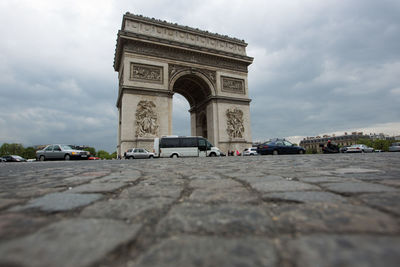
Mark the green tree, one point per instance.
(11, 149)
(382, 144)
(29, 153)
(114, 155)
(103, 154)
(92, 150)
(376, 144)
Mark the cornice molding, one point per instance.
(175, 26)
(134, 44)
(141, 91)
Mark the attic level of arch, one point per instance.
(181, 52)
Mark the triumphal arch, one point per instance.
(156, 59)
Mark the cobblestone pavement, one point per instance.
(294, 210)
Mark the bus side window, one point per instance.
(202, 145)
(169, 142)
(189, 142)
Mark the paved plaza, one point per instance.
(294, 210)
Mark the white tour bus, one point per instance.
(184, 146)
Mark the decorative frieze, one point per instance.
(185, 56)
(146, 119)
(232, 85)
(146, 73)
(174, 69)
(235, 127)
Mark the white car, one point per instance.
(250, 151)
(359, 148)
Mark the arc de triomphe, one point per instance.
(156, 59)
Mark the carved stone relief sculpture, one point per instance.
(235, 128)
(146, 119)
(232, 85)
(146, 73)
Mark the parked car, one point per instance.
(138, 153)
(66, 152)
(279, 146)
(359, 148)
(395, 147)
(93, 158)
(343, 149)
(13, 158)
(250, 151)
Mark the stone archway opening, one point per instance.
(180, 115)
(197, 92)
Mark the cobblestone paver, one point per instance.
(294, 210)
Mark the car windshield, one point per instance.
(65, 147)
(287, 143)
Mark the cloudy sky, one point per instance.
(320, 67)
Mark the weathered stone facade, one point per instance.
(156, 59)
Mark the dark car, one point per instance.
(279, 146)
(13, 158)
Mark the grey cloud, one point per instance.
(320, 66)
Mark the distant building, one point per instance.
(313, 143)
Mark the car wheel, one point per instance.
(301, 152)
(213, 155)
(151, 157)
(131, 157)
(41, 158)
(67, 157)
(275, 152)
(174, 156)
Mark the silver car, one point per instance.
(359, 148)
(138, 153)
(251, 151)
(395, 147)
(66, 152)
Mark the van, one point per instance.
(184, 146)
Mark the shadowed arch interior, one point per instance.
(193, 88)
